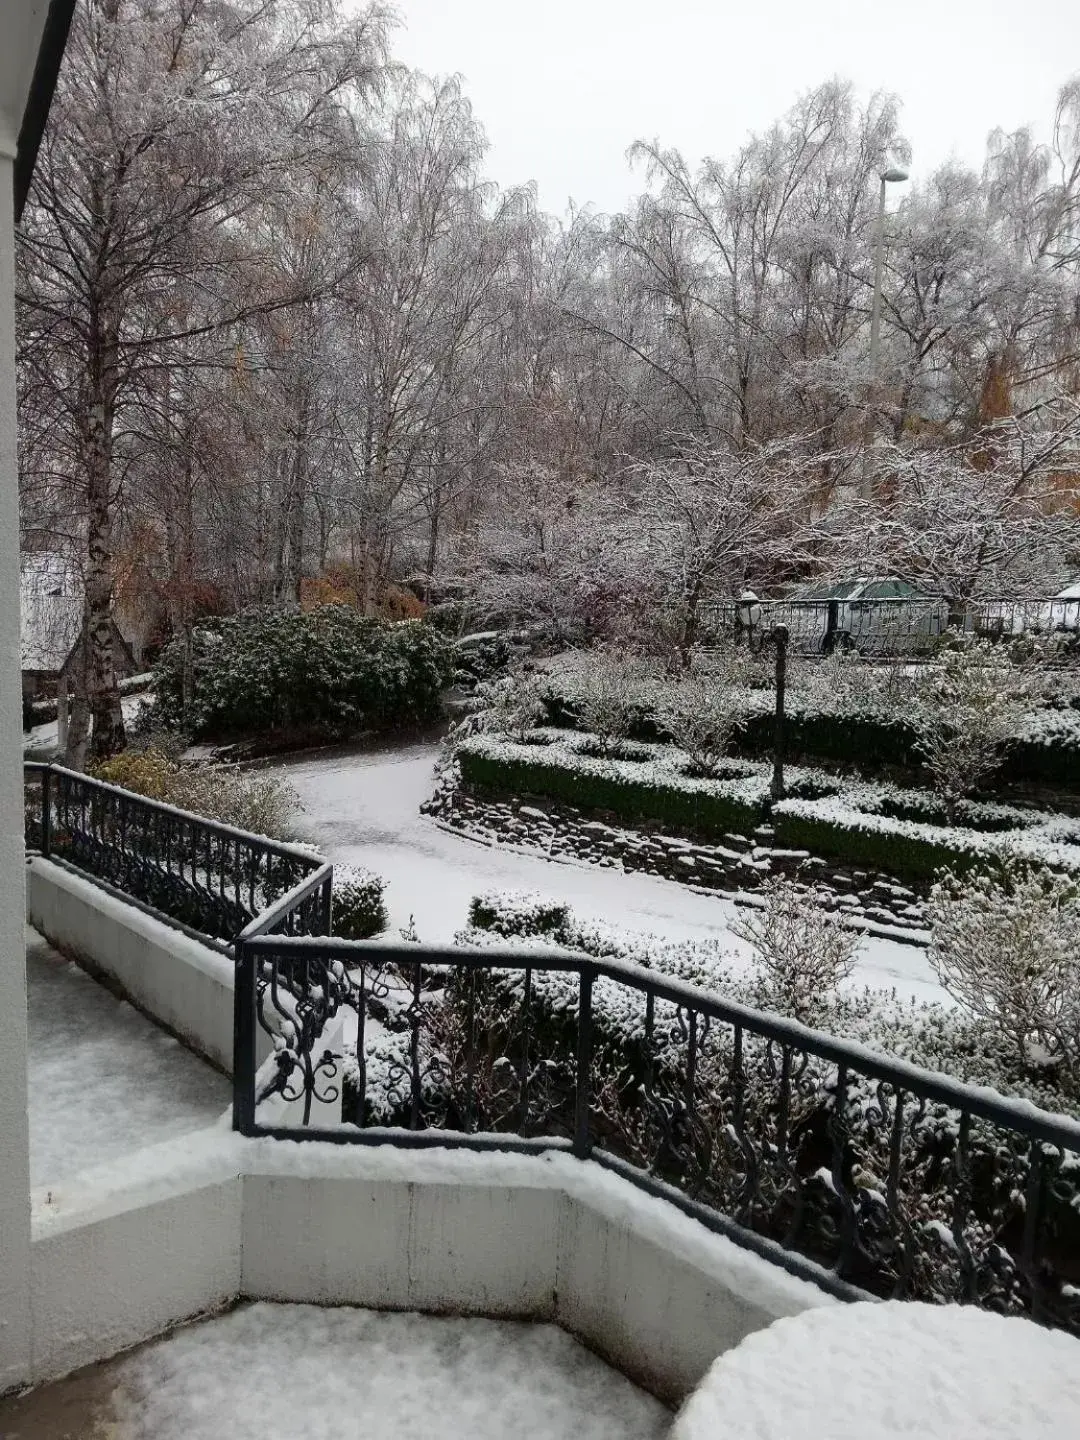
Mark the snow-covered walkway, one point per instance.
(364, 809)
(345, 1374)
(104, 1080)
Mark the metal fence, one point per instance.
(900, 628)
(208, 879)
(864, 1174)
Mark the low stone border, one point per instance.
(874, 902)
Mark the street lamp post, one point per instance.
(889, 177)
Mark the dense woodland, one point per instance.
(282, 342)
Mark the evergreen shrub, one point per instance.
(359, 908)
(327, 671)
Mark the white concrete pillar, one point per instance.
(14, 1134)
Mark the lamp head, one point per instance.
(893, 176)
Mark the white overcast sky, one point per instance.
(563, 87)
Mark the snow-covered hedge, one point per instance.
(900, 831)
(854, 714)
(905, 832)
(328, 670)
(655, 788)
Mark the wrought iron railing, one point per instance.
(862, 1173)
(865, 1174)
(208, 879)
(887, 628)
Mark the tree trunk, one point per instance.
(688, 635)
(107, 736)
(78, 726)
(433, 550)
(186, 596)
(62, 715)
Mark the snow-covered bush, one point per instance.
(964, 708)
(328, 670)
(255, 800)
(513, 706)
(146, 771)
(1005, 944)
(609, 694)
(703, 711)
(258, 800)
(841, 683)
(359, 908)
(512, 914)
(803, 952)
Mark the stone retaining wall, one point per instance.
(735, 867)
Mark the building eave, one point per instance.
(39, 98)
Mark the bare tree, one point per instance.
(170, 128)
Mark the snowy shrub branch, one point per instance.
(1005, 944)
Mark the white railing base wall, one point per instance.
(187, 1227)
(185, 986)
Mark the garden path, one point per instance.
(363, 808)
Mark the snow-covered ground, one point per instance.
(42, 739)
(346, 1374)
(364, 809)
(104, 1080)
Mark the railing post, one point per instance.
(327, 904)
(46, 810)
(780, 637)
(582, 1138)
(832, 624)
(244, 1040)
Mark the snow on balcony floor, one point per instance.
(346, 1374)
(104, 1080)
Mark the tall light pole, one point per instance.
(889, 177)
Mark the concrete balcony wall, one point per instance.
(122, 1254)
(183, 985)
(107, 1281)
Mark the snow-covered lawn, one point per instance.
(346, 1374)
(104, 1080)
(364, 809)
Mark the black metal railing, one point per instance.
(208, 879)
(865, 1174)
(888, 628)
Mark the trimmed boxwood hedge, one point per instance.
(696, 812)
(908, 857)
(867, 743)
(852, 828)
(871, 744)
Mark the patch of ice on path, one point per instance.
(349, 1374)
(364, 809)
